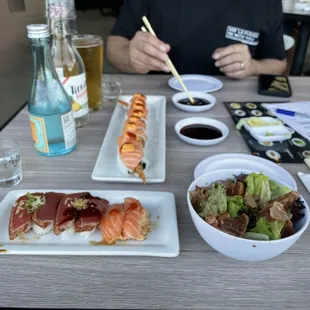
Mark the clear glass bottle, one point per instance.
(69, 65)
(50, 110)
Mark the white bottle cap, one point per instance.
(37, 31)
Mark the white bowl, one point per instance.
(239, 248)
(246, 162)
(193, 108)
(204, 121)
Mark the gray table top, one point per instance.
(199, 278)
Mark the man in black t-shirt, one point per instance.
(238, 38)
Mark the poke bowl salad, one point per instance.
(249, 206)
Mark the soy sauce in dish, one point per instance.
(201, 132)
(198, 102)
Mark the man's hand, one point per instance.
(235, 61)
(148, 53)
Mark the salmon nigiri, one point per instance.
(112, 222)
(137, 223)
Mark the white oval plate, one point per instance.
(246, 162)
(196, 82)
(193, 108)
(205, 121)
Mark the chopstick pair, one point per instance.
(168, 62)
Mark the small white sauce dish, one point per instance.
(194, 108)
(201, 121)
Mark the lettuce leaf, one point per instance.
(265, 193)
(258, 188)
(256, 236)
(234, 205)
(216, 203)
(277, 190)
(272, 229)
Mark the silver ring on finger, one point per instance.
(242, 66)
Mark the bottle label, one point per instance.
(57, 9)
(68, 125)
(76, 88)
(38, 132)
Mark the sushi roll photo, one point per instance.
(133, 140)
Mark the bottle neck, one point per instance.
(62, 29)
(42, 59)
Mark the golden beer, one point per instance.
(90, 48)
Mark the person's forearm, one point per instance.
(269, 66)
(118, 53)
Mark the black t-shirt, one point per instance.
(195, 28)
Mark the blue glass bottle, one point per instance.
(50, 110)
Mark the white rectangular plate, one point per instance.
(155, 152)
(163, 240)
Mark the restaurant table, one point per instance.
(303, 38)
(200, 277)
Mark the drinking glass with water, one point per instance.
(10, 163)
(111, 88)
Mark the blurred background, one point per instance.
(94, 16)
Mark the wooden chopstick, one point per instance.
(168, 62)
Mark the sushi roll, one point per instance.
(133, 140)
(131, 160)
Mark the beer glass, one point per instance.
(90, 48)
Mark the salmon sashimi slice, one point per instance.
(112, 222)
(138, 101)
(141, 113)
(129, 137)
(138, 125)
(126, 137)
(139, 106)
(133, 128)
(136, 120)
(138, 96)
(132, 158)
(137, 224)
